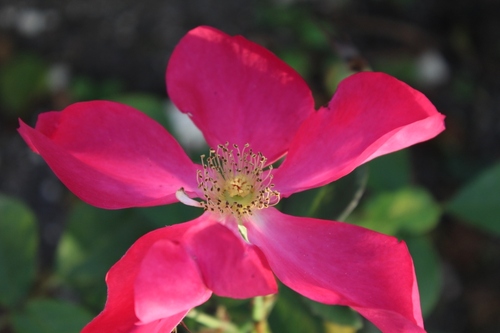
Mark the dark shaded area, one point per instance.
(130, 42)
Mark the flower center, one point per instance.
(234, 181)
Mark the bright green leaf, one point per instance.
(478, 203)
(18, 246)
(50, 316)
(406, 211)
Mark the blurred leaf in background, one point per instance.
(18, 252)
(428, 271)
(50, 316)
(334, 201)
(478, 202)
(22, 79)
(390, 172)
(408, 211)
(290, 314)
(93, 241)
(337, 318)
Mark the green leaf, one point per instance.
(22, 78)
(50, 316)
(407, 211)
(340, 315)
(18, 246)
(92, 242)
(291, 315)
(478, 203)
(427, 268)
(332, 202)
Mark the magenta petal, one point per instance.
(111, 155)
(158, 326)
(237, 91)
(371, 114)
(338, 263)
(168, 282)
(230, 266)
(119, 312)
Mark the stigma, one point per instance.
(236, 181)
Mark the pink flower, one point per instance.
(235, 91)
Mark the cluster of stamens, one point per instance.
(234, 181)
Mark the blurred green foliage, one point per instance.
(18, 252)
(50, 316)
(478, 202)
(22, 79)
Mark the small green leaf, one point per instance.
(407, 211)
(18, 246)
(427, 267)
(50, 316)
(478, 203)
(340, 315)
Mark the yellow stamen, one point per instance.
(234, 181)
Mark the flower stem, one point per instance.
(212, 322)
(262, 307)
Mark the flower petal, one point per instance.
(119, 312)
(230, 266)
(371, 114)
(338, 263)
(237, 91)
(168, 281)
(111, 155)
